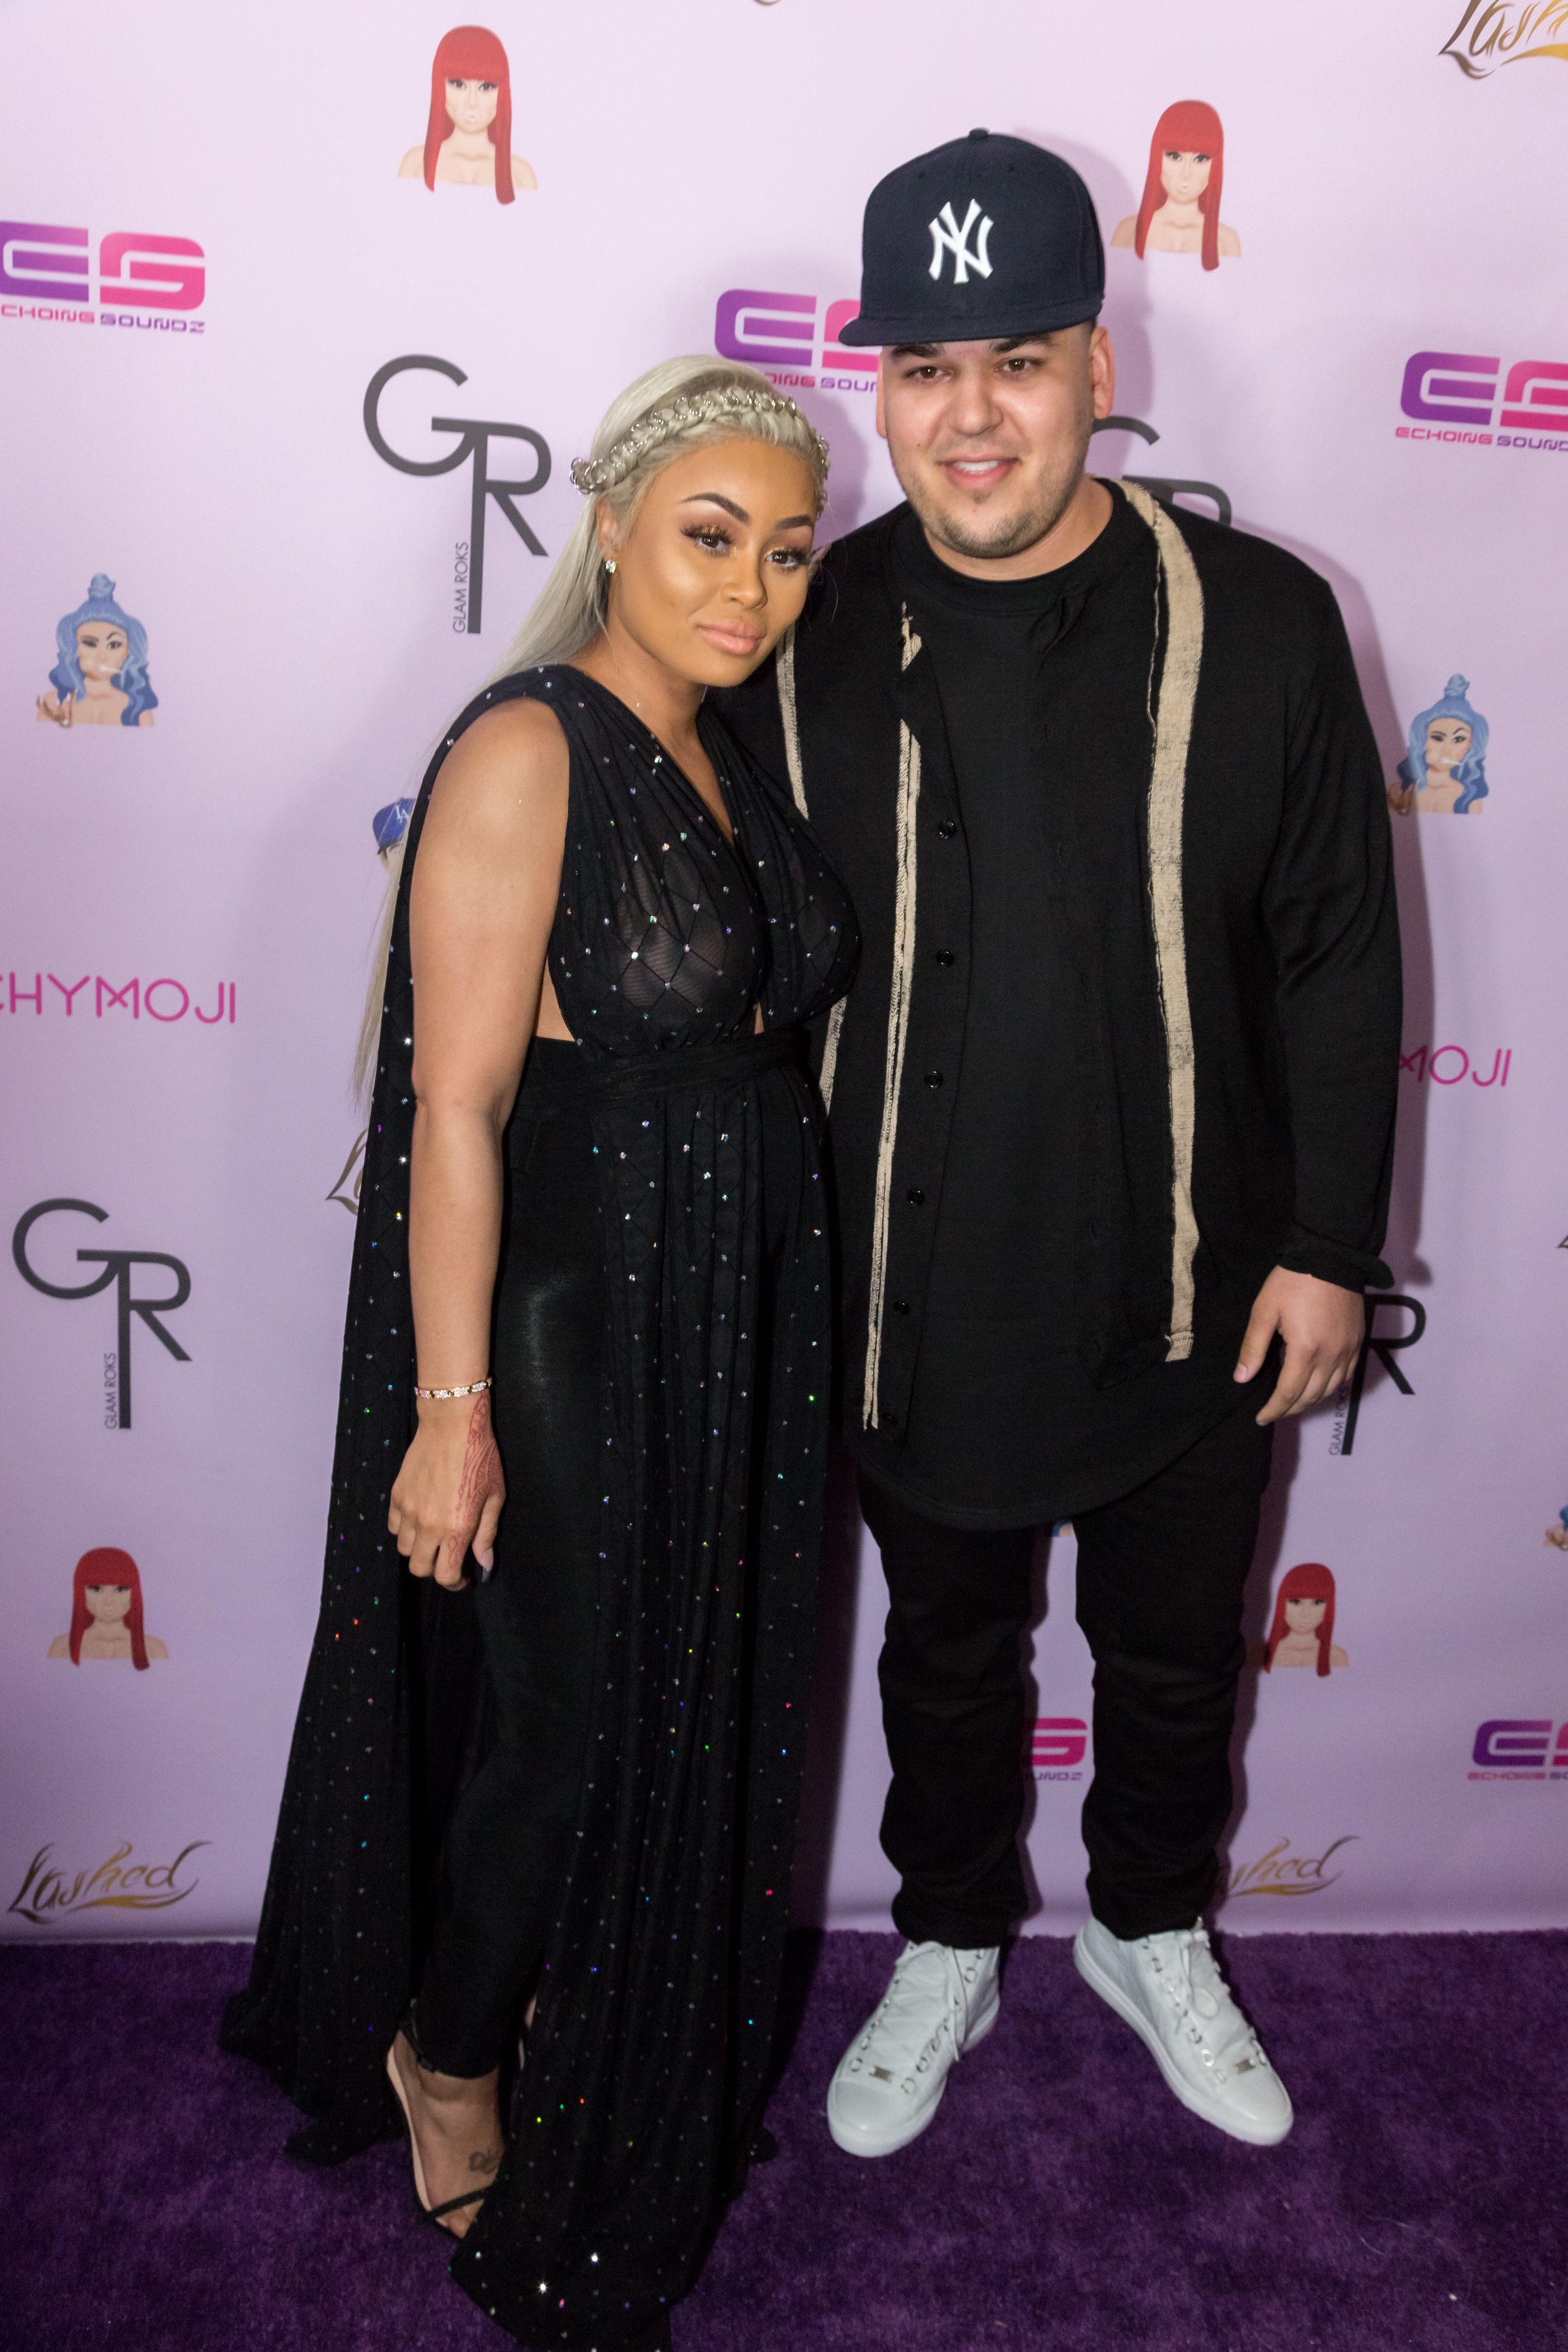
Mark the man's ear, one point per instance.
(1103, 370)
(881, 403)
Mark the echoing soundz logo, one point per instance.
(152, 281)
(1464, 396)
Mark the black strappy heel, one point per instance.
(431, 2213)
(453, 2205)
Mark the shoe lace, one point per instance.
(1189, 1976)
(902, 2028)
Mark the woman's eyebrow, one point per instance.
(712, 497)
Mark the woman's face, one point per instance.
(101, 648)
(472, 104)
(1304, 1616)
(1185, 172)
(108, 1603)
(1447, 742)
(714, 565)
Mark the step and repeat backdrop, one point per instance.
(303, 318)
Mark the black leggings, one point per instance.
(507, 1846)
(510, 1842)
(1160, 1578)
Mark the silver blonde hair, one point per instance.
(680, 405)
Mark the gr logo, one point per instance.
(144, 273)
(1519, 1748)
(119, 1269)
(1386, 1342)
(1166, 487)
(474, 438)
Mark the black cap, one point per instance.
(980, 239)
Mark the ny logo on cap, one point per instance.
(946, 237)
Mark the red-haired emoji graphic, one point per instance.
(105, 1612)
(1180, 211)
(1302, 1633)
(469, 138)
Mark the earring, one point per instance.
(609, 562)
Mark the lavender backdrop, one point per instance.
(211, 257)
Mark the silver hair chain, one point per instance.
(593, 475)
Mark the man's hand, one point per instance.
(1323, 1327)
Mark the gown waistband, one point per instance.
(558, 1072)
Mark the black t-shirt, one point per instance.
(1005, 1428)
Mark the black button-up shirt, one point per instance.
(1229, 1077)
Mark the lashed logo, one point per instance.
(1493, 33)
(1280, 1871)
(47, 1894)
(347, 1188)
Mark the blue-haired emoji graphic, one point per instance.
(390, 828)
(1443, 771)
(1558, 1536)
(389, 825)
(100, 678)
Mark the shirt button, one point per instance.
(945, 957)
(933, 1077)
(947, 828)
(917, 1199)
(901, 1306)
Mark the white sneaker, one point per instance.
(890, 2080)
(1170, 1991)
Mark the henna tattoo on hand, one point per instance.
(482, 1476)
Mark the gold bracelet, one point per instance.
(475, 1388)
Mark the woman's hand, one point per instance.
(448, 1494)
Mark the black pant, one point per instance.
(509, 1842)
(1160, 1578)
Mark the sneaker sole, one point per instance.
(855, 2145)
(1094, 1976)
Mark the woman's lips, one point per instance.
(731, 640)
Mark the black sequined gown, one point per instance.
(647, 2056)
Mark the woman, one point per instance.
(467, 139)
(1443, 771)
(1302, 1633)
(105, 1612)
(1180, 211)
(621, 1225)
(100, 678)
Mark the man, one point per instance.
(1112, 1105)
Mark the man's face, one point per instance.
(988, 440)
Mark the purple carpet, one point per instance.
(1061, 2199)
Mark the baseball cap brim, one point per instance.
(936, 327)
